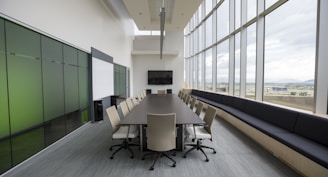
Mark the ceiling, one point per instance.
(145, 13)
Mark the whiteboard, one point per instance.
(102, 78)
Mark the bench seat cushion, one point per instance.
(315, 151)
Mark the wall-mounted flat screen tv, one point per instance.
(160, 77)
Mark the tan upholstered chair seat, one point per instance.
(200, 131)
(122, 132)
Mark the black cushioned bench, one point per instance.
(304, 133)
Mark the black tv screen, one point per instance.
(160, 77)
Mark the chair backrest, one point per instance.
(114, 118)
(179, 94)
(193, 102)
(161, 132)
(208, 118)
(120, 112)
(184, 97)
(125, 109)
(199, 108)
(161, 92)
(139, 97)
(130, 104)
(135, 101)
(187, 99)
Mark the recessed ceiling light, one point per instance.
(140, 13)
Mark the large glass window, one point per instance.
(223, 20)
(201, 37)
(209, 29)
(222, 61)
(289, 67)
(251, 9)
(237, 65)
(251, 61)
(200, 71)
(208, 6)
(208, 70)
(237, 13)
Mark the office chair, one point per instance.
(124, 132)
(161, 92)
(120, 112)
(135, 101)
(130, 104)
(193, 103)
(201, 132)
(124, 108)
(179, 94)
(161, 136)
(187, 101)
(199, 108)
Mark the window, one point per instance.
(208, 70)
(200, 75)
(223, 20)
(237, 13)
(289, 67)
(251, 61)
(208, 34)
(222, 61)
(237, 65)
(251, 9)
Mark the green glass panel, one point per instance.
(85, 116)
(52, 50)
(83, 79)
(70, 55)
(83, 59)
(53, 78)
(4, 116)
(5, 155)
(71, 88)
(22, 41)
(83, 87)
(27, 144)
(53, 89)
(71, 80)
(24, 77)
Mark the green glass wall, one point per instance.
(44, 92)
(71, 79)
(24, 77)
(83, 79)
(120, 81)
(5, 150)
(53, 78)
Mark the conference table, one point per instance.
(162, 104)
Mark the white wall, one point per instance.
(142, 63)
(81, 23)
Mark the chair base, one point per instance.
(124, 145)
(200, 147)
(159, 154)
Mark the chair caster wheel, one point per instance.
(110, 149)
(143, 158)
(207, 160)
(132, 157)
(111, 157)
(173, 165)
(151, 168)
(214, 152)
(184, 156)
